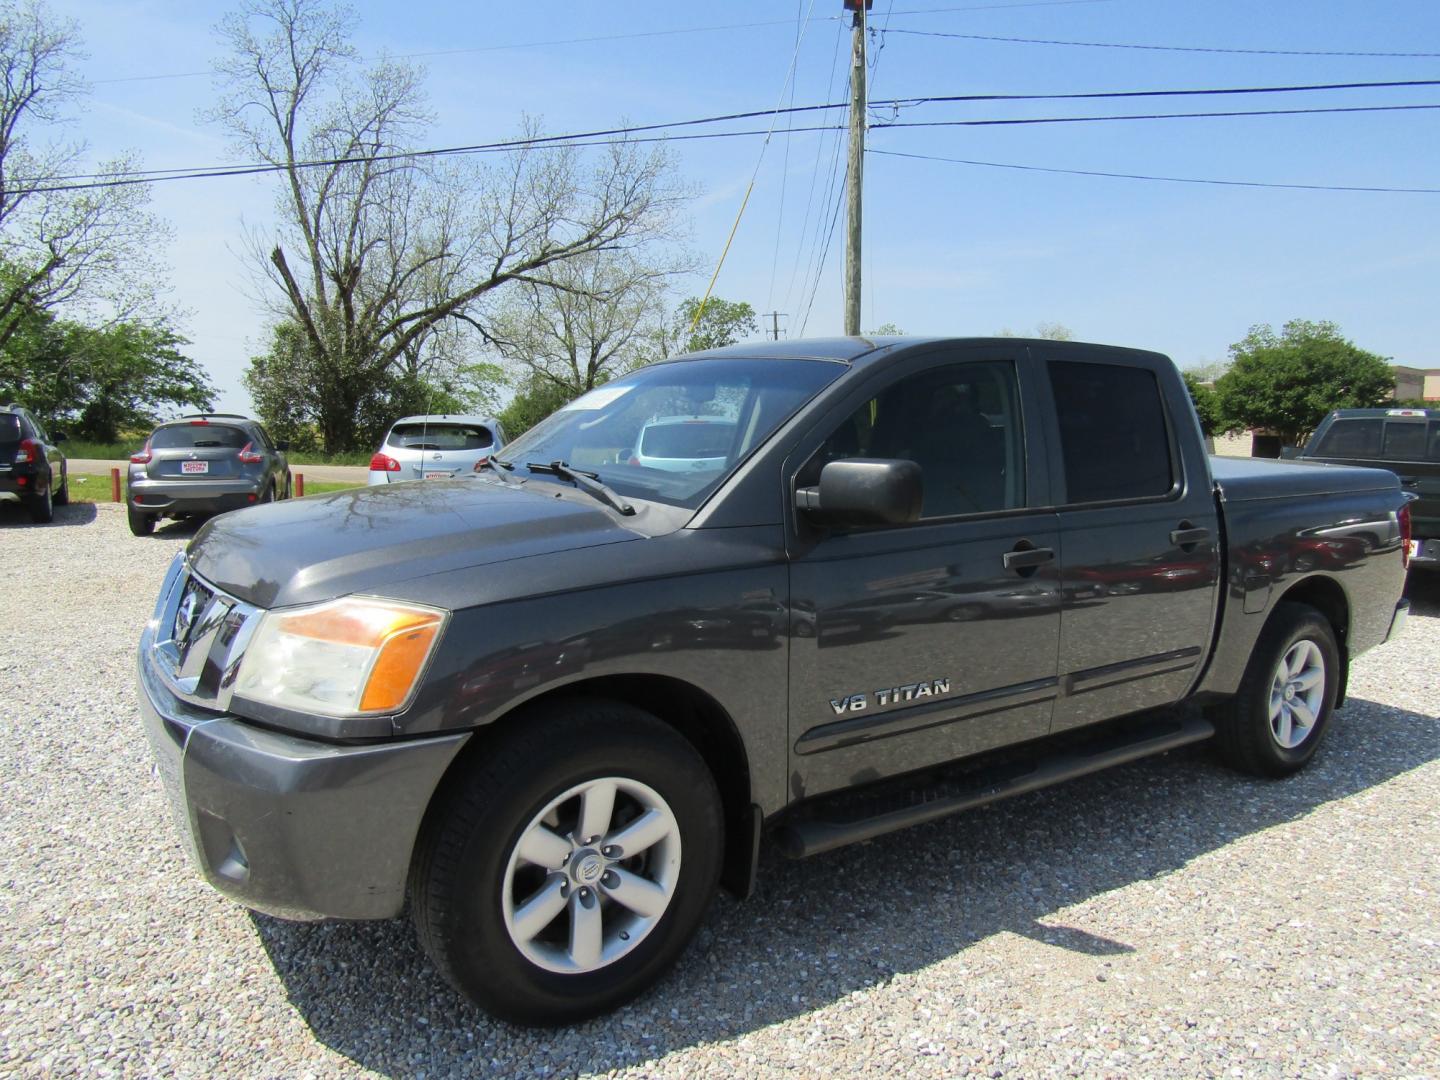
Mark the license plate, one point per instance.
(194, 466)
(438, 475)
(1415, 549)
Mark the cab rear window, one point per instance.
(1375, 439)
(440, 437)
(198, 437)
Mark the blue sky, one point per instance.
(949, 248)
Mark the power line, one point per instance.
(1150, 116)
(1161, 48)
(1167, 179)
(600, 137)
(909, 102)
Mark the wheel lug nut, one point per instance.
(610, 851)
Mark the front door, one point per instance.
(915, 644)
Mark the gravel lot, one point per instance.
(1167, 917)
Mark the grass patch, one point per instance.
(120, 451)
(324, 487)
(95, 487)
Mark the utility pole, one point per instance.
(855, 170)
(774, 317)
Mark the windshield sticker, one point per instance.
(597, 398)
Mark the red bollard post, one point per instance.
(299, 485)
(115, 486)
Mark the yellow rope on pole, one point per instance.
(700, 310)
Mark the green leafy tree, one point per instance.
(535, 399)
(722, 322)
(1285, 383)
(100, 383)
(888, 329)
(1207, 405)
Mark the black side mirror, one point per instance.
(282, 445)
(864, 491)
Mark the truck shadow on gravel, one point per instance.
(852, 920)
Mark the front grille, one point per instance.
(201, 634)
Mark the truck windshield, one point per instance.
(615, 430)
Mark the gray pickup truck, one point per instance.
(555, 703)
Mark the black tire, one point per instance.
(62, 497)
(289, 486)
(1246, 732)
(459, 878)
(42, 507)
(140, 524)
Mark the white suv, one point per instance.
(434, 448)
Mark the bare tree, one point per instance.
(600, 317)
(378, 245)
(60, 242)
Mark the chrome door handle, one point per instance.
(1028, 557)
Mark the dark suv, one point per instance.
(205, 464)
(1405, 441)
(32, 468)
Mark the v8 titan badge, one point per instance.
(892, 695)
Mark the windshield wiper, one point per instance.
(502, 469)
(587, 482)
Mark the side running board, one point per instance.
(861, 817)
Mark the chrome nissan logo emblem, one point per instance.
(185, 616)
(589, 869)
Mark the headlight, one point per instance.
(344, 657)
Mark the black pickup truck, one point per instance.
(1405, 441)
(811, 591)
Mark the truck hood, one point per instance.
(359, 541)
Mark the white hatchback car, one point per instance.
(684, 443)
(434, 448)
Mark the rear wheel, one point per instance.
(42, 507)
(62, 497)
(1275, 723)
(140, 524)
(566, 872)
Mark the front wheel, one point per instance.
(566, 872)
(1276, 721)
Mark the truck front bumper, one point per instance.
(292, 827)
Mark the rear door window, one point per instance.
(198, 437)
(1113, 436)
(445, 436)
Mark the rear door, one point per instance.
(916, 644)
(1139, 532)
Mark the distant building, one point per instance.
(1412, 383)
